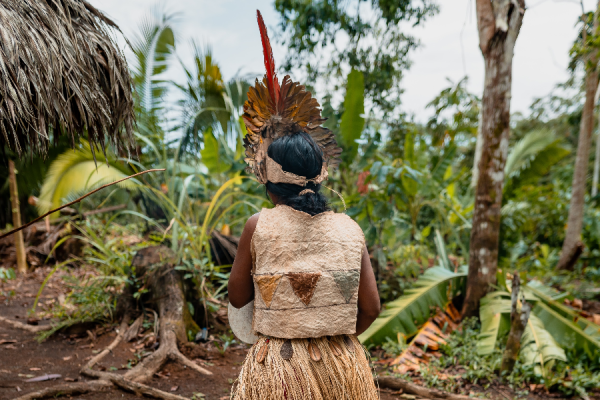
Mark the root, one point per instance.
(96, 359)
(167, 351)
(167, 294)
(26, 327)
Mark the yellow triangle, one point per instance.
(267, 284)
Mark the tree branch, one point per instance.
(486, 23)
(76, 201)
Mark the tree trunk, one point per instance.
(518, 323)
(478, 147)
(16, 215)
(498, 23)
(586, 127)
(596, 167)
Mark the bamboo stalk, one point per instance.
(16, 216)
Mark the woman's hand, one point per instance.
(241, 286)
(368, 297)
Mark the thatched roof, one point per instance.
(61, 72)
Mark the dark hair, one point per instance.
(299, 154)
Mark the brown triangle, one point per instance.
(304, 285)
(267, 284)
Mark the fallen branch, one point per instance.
(412, 388)
(131, 386)
(26, 327)
(77, 201)
(67, 390)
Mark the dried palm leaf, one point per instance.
(426, 342)
(61, 73)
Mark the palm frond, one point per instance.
(61, 74)
(153, 48)
(413, 309)
(532, 157)
(427, 340)
(76, 171)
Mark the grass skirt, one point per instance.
(342, 373)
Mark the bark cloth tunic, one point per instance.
(306, 272)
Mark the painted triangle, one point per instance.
(267, 284)
(304, 285)
(347, 282)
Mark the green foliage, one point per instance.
(538, 346)
(153, 48)
(552, 328)
(460, 353)
(411, 310)
(376, 44)
(93, 294)
(78, 171)
(7, 274)
(494, 324)
(532, 157)
(211, 156)
(352, 122)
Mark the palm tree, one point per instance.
(208, 103)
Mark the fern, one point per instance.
(411, 310)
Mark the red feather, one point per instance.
(272, 82)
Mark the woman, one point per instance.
(306, 268)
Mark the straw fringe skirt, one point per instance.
(342, 373)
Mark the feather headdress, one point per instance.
(273, 110)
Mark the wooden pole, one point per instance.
(16, 215)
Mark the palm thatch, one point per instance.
(61, 73)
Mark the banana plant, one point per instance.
(552, 327)
(406, 314)
(77, 171)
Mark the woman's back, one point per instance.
(307, 271)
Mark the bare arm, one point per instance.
(241, 286)
(368, 297)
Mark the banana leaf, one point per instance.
(567, 332)
(494, 312)
(538, 346)
(411, 310)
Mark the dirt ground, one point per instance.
(22, 357)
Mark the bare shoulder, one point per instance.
(251, 223)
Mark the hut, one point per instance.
(61, 73)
